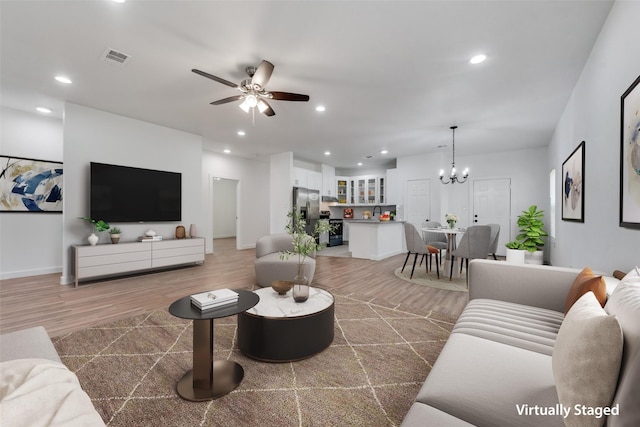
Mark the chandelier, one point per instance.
(453, 176)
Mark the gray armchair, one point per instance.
(493, 239)
(417, 246)
(268, 265)
(437, 240)
(474, 244)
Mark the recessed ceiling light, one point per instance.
(43, 110)
(241, 133)
(63, 79)
(227, 151)
(478, 59)
(383, 152)
(320, 108)
(327, 153)
(359, 163)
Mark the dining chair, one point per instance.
(493, 239)
(417, 246)
(474, 244)
(437, 240)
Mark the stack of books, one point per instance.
(149, 238)
(214, 299)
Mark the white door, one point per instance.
(418, 201)
(492, 205)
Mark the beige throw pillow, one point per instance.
(586, 360)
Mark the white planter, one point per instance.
(533, 257)
(515, 256)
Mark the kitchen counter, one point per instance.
(375, 239)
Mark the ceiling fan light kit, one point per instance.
(253, 90)
(453, 175)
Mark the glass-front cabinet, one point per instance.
(343, 190)
(361, 190)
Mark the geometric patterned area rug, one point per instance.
(421, 277)
(368, 376)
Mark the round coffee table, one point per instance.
(278, 329)
(209, 379)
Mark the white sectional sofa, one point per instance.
(498, 368)
(36, 389)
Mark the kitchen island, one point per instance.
(374, 239)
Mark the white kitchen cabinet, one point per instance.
(314, 180)
(328, 181)
(306, 178)
(300, 177)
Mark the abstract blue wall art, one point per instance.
(30, 185)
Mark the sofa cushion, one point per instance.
(586, 360)
(421, 415)
(519, 325)
(585, 282)
(487, 383)
(624, 303)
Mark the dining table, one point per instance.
(452, 234)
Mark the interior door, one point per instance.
(418, 201)
(492, 205)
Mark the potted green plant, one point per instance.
(304, 244)
(98, 227)
(531, 234)
(114, 233)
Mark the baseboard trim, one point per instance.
(24, 273)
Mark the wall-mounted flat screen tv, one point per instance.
(127, 194)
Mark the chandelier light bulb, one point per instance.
(251, 101)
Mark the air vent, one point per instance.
(368, 157)
(116, 56)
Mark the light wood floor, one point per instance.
(41, 300)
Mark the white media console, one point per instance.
(109, 260)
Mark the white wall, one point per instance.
(526, 168)
(253, 195)
(593, 115)
(93, 135)
(281, 190)
(30, 242)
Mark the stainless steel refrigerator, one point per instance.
(307, 202)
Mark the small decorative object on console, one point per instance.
(150, 233)
(192, 230)
(214, 299)
(180, 232)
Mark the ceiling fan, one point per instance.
(253, 89)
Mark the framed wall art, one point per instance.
(30, 185)
(630, 157)
(573, 185)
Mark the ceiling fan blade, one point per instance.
(229, 99)
(262, 74)
(268, 111)
(287, 96)
(212, 77)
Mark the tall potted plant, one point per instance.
(303, 245)
(531, 234)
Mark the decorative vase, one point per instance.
(282, 286)
(452, 224)
(180, 232)
(93, 239)
(115, 238)
(300, 285)
(192, 230)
